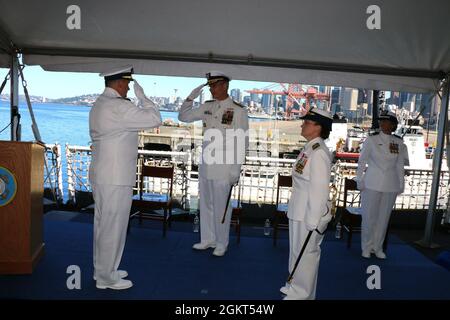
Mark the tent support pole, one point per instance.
(427, 240)
(14, 98)
(375, 107)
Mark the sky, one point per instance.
(54, 85)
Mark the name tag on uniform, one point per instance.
(227, 117)
(301, 163)
(393, 148)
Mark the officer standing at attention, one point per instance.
(224, 122)
(380, 177)
(114, 122)
(309, 208)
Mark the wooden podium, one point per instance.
(21, 243)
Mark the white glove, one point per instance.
(196, 92)
(139, 92)
(324, 220)
(309, 227)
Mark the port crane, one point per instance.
(294, 93)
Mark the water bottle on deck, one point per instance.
(196, 226)
(267, 227)
(338, 230)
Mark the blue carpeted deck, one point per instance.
(168, 269)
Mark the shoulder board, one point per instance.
(397, 136)
(238, 104)
(210, 101)
(316, 145)
(123, 98)
(375, 133)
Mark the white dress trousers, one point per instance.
(304, 282)
(213, 199)
(112, 211)
(376, 211)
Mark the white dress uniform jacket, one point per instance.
(114, 123)
(220, 119)
(310, 181)
(385, 157)
(308, 210)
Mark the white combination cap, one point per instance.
(388, 115)
(123, 72)
(214, 76)
(320, 116)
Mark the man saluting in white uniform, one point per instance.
(114, 122)
(225, 141)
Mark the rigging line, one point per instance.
(4, 81)
(5, 127)
(34, 125)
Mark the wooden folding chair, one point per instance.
(281, 208)
(147, 202)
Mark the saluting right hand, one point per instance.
(139, 92)
(142, 98)
(196, 92)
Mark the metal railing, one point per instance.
(417, 187)
(259, 179)
(258, 182)
(53, 180)
(79, 159)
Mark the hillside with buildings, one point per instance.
(285, 102)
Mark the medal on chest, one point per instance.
(301, 163)
(393, 147)
(227, 116)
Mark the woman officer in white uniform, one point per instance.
(380, 177)
(308, 205)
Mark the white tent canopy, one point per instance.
(310, 41)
